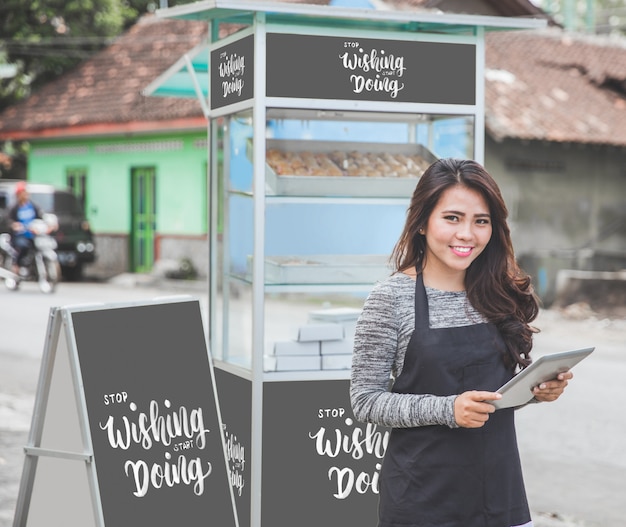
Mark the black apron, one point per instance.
(436, 476)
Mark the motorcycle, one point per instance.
(40, 263)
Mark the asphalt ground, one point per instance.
(572, 451)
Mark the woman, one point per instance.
(449, 327)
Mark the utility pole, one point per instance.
(571, 18)
(569, 14)
(590, 17)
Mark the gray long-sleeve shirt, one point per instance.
(382, 336)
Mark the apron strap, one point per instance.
(422, 318)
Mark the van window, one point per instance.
(57, 202)
(65, 202)
(44, 199)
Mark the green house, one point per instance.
(138, 163)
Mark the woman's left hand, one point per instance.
(551, 390)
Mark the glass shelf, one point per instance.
(334, 190)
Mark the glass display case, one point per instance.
(335, 192)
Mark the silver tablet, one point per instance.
(518, 390)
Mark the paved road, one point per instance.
(573, 450)
(23, 325)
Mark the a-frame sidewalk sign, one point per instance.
(126, 428)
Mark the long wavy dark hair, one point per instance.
(495, 284)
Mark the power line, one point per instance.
(103, 40)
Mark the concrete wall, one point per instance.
(567, 206)
(111, 256)
(174, 250)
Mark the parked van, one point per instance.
(75, 241)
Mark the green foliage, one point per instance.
(588, 16)
(45, 38)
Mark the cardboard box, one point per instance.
(293, 347)
(336, 362)
(337, 347)
(335, 314)
(292, 362)
(346, 316)
(328, 331)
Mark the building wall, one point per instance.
(180, 165)
(112, 258)
(567, 203)
(567, 206)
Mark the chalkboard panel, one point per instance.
(320, 466)
(236, 407)
(322, 67)
(232, 73)
(152, 415)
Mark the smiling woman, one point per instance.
(456, 233)
(449, 327)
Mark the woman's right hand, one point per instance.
(472, 409)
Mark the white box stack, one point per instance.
(303, 353)
(337, 354)
(326, 343)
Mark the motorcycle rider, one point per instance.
(21, 214)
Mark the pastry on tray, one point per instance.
(342, 163)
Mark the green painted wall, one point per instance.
(180, 162)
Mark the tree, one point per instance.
(41, 39)
(588, 16)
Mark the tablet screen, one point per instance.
(518, 390)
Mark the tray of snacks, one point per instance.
(335, 168)
(324, 269)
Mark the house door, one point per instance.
(143, 217)
(76, 179)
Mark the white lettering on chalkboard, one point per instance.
(119, 397)
(231, 70)
(330, 412)
(180, 430)
(236, 455)
(357, 444)
(170, 474)
(152, 427)
(378, 71)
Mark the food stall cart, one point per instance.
(321, 121)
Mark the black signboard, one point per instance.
(232, 73)
(323, 67)
(320, 466)
(236, 407)
(152, 415)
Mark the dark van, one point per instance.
(76, 246)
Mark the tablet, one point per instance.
(518, 390)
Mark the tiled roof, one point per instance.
(106, 89)
(523, 8)
(552, 86)
(540, 85)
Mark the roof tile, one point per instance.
(559, 87)
(540, 85)
(107, 87)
